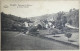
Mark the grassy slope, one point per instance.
(11, 41)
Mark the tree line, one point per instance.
(8, 20)
(60, 19)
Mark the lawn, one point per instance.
(18, 41)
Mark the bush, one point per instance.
(54, 31)
(68, 35)
(39, 26)
(32, 29)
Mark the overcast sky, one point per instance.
(37, 8)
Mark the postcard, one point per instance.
(39, 25)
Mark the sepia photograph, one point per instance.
(39, 25)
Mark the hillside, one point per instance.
(71, 17)
(57, 19)
(8, 20)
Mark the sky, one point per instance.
(36, 8)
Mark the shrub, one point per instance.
(39, 26)
(54, 31)
(32, 29)
(68, 35)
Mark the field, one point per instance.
(18, 41)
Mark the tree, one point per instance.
(60, 14)
(45, 21)
(70, 22)
(33, 30)
(59, 20)
(73, 17)
(58, 25)
(68, 35)
(39, 26)
(64, 21)
(54, 31)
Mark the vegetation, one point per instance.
(68, 35)
(11, 22)
(39, 26)
(33, 30)
(54, 31)
(71, 17)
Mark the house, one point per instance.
(27, 24)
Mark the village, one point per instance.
(58, 30)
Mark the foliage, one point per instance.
(54, 31)
(39, 26)
(71, 17)
(61, 20)
(70, 22)
(32, 29)
(9, 21)
(68, 35)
